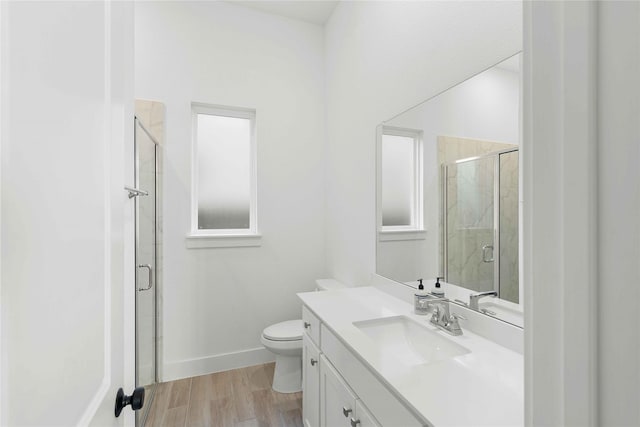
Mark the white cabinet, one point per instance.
(337, 400)
(335, 389)
(382, 403)
(310, 382)
(363, 417)
(339, 405)
(311, 325)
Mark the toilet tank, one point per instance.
(329, 285)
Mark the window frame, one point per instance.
(222, 237)
(415, 230)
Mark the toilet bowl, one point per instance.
(284, 339)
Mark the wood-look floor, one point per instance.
(242, 397)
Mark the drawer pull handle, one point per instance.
(313, 362)
(354, 422)
(306, 325)
(346, 411)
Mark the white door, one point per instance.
(67, 120)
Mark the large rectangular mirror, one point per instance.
(448, 191)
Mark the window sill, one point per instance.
(202, 241)
(389, 236)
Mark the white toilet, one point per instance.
(285, 340)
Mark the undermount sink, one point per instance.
(409, 341)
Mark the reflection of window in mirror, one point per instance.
(401, 163)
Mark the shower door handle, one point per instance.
(135, 192)
(148, 267)
(485, 249)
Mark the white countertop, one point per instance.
(482, 388)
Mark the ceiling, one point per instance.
(315, 12)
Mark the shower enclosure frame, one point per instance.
(496, 212)
(140, 420)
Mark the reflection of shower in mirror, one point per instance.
(480, 223)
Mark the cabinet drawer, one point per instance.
(382, 403)
(311, 325)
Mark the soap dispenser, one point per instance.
(420, 298)
(437, 290)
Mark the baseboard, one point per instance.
(217, 363)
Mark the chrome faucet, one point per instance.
(474, 298)
(442, 318)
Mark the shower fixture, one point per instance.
(134, 192)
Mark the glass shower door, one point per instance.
(146, 268)
(509, 227)
(470, 223)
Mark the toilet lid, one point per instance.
(290, 330)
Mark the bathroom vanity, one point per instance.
(368, 360)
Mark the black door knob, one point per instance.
(136, 400)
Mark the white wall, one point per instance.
(217, 301)
(381, 59)
(618, 298)
(582, 210)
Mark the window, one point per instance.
(401, 179)
(224, 175)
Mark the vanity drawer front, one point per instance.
(311, 325)
(382, 403)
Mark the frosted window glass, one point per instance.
(224, 172)
(398, 180)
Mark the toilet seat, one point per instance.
(290, 330)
